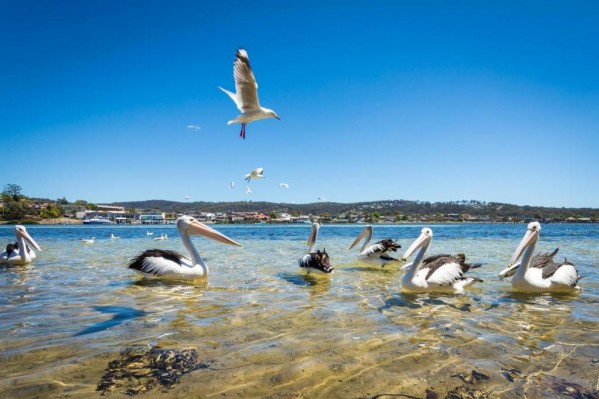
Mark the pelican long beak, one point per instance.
(509, 271)
(530, 237)
(29, 240)
(201, 229)
(406, 266)
(360, 237)
(313, 234)
(422, 240)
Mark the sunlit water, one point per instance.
(268, 330)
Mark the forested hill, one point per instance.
(391, 207)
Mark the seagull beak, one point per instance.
(201, 229)
(529, 238)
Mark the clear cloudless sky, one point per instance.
(417, 100)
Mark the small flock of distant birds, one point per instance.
(426, 273)
(436, 273)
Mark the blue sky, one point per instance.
(427, 100)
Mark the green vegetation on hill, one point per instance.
(396, 208)
(16, 207)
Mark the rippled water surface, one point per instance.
(262, 328)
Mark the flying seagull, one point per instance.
(254, 174)
(283, 185)
(246, 93)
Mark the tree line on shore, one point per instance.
(401, 209)
(17, 207)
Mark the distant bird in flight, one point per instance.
(321, 198)
(283, 185)
(248, 190)
(246, 96)
(232, 184)
(194, 127)
(257, 173)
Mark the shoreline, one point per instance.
(67, 221)
(60, 221)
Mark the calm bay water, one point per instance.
(265, 329)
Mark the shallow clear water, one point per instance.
(265, 329)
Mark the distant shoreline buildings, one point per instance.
(394, 211)
(111, 214)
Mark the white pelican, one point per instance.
(315, 261)
(113, 237)
(20, 252)
(170, 264)
(440, 273)
(544, 275)
(378, 253)
(149, 233)
(88, 240)
(246, 96)
(539, 260)
(162, 237)
(257, 173)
